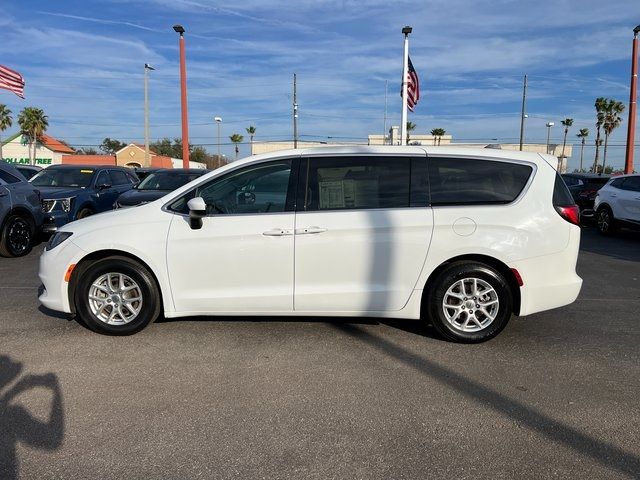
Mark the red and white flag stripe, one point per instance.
(12, 81)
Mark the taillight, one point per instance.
(571, 213)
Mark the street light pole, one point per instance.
(146, 115)
(218, 120)
(549, 125)
(522, 114)
(633, 95)
(183, 98)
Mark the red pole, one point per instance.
(183, 100)
(631, 125)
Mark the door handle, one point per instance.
(277, 232)
(309, 230)
(614, 194)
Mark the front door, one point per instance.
(629, 199)
(362, 233)
(241, 260)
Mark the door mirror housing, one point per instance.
(197, 210)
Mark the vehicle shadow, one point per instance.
(597, 450)
(268, 319)
(622, 245)
(17, 424)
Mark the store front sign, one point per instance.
(26, 161)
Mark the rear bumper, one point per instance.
(550, 281)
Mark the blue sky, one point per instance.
(83, 63)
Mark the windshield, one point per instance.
(63, 177)
(166, 180)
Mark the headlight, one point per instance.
(47, 205)
(65, 204)
(56, 239)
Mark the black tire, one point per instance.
(465, 272)
(605, 220)
(84, 212)
(17, 236)
(150, 296)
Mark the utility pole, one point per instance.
(633, 95)
(384, 129)
(522, 113)
(147, 162)
(183, 97)
(295, 113)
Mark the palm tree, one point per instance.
(410, 128)
(5, 122)
(567, 122)
(437, 134)
(611, 121)
(599, 104)
(236, 138)
(582, 135)
(251, 130)
(33, 123)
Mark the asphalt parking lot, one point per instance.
(554, 396)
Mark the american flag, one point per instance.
(12, 81)
(413, 87)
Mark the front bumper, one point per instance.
(53, 266)
(55, 219)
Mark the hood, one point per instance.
(55, 193)
(122, 216)
(136, 197)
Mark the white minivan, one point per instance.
(460, 237)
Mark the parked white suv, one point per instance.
(461, 237)
(618, 204)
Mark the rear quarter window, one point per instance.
(464, 181)
(561, 195)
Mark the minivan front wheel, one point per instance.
(117, 296)
(469, 302)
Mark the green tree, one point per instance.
(251, 130)
(582, 135)
(111, 146)
(5, 122)
(167, 147)
(567, 122)
(438, 134)
(86, 151)
(33, 123)
(611, 121)
(410, 128)
(599, 105)
(237, 139)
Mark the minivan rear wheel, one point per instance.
(117, 296)
(16, 238)
(469, 302)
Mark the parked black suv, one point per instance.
(20, 212)
(584, 187)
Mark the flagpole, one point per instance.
(405, 72)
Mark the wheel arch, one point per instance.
(92, 257)
(498, 265)
(23, 212)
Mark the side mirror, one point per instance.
(197, 210)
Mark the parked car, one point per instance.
(71, 192)
(142, 173)
(28, 171)
(20, 213)
(584, 187)
(157, 185)
(461, 237)
(618, 204)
